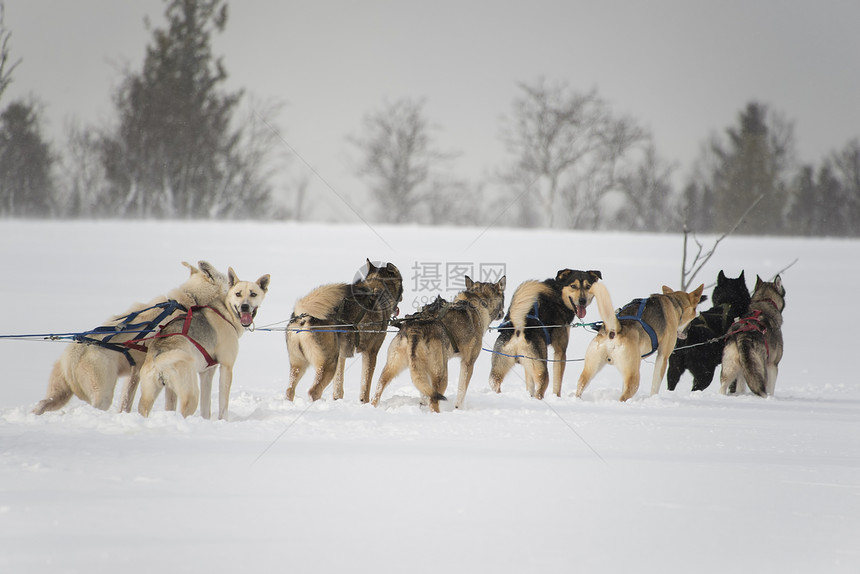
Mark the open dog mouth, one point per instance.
(246, 316)
(578, 309)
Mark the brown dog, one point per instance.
(428, 339)
(334, 321)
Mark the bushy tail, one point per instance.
(754, 364)
(523, 302)
(323, 302)
(606, 309)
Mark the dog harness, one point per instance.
(751, 323)
(534, 315)
(125, 326)
(210, 361)
(638, 318)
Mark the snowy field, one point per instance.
(678, 482)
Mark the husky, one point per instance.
(539, 317)
(90, 370)
(334, 321)
(754, 346)
(194, 343)
(428, 339)
(640, 328)
(731, 299)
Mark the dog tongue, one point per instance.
(580, 311)
(246, 319)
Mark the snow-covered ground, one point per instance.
(679, 482)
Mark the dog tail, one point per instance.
(523, 302)
(753, 363)
(606, 309)
(323, 302)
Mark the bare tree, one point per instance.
(567, 148)
(7, 65)
(403, 168)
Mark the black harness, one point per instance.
(127, 326)
(534, 316)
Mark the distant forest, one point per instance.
(180, 148)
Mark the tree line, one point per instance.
(183, 146)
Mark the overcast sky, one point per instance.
(683, 69)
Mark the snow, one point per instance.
(678, 482)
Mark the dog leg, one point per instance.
(297, 369)
(170, 399)
(595, 357)
(772, 372)
(206, 393)
(129, 390)
(659, 370)
(337, 390)
(559, 354)
(501, 363)
(225, 381)
(675, 370)
(730, 367)
(323, 377)
(368, 365)
(467, 365)
(150, 387)
(59, 392)
(394, 364)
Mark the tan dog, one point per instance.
(641, 328)
(428, 339)
(90, 371)
(334, 321)
(195, 343)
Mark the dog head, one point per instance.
(772, 291)
(245, 297)
(385, 282)
(732, 292)
(688, 303)
(576, 288)
(205, 283)
(490, 295)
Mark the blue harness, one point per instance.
(638, 318)
(145, 328)
(534, 315)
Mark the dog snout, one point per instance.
(245, 308)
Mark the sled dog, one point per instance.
(195, 343)
(539, 317)
(640, 328)
(442, 330)
(334, 321)
(753, 348)
(89, 370)
(730, 299)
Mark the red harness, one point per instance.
(750, 323)
(210, 361)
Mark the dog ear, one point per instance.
(392, 268)
(232, 278)
(777, 282)
(469, 282)
(721, 276)
(703, 298)
(595, 275)
(263, 282)
(667, 290)
(370, 266)
(192, 269)
(741, 276)
(758, 283)
(502, 282)
(562, 274)
(697, 294)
